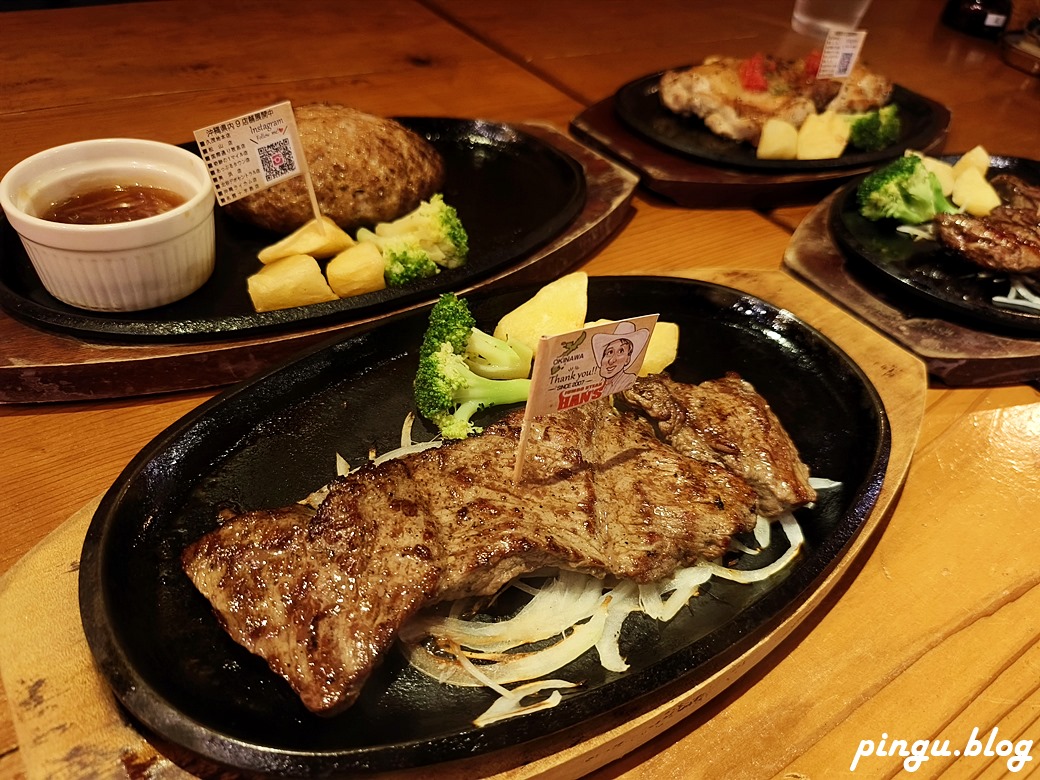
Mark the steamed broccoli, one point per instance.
(875, 130)
(448, 393)
(451, 321)
(436, 227)
(904, 190)
(404, 260)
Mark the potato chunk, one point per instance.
(558, 307)
(943, 172)
(319, 240)
(356, 270)
(292, 281)
(662, 349)
(974, 194)
(976, 157)
(779, 140)
(822, 136)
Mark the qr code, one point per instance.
(277, 159)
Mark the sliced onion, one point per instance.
(819, 483)
(511, 705)
(624, 600)
(518, 666)
(762, 532)
(680, 587)
(568, 599)
(747, 576)
(342, 466)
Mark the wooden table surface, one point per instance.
(933, 633)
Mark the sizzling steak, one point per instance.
(1008, 238)
(321, 596)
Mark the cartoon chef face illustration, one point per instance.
(616, 351)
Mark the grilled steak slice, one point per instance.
(600, 493)
(319, 600)
(1006, 240)
(727, 421)
(321, 597)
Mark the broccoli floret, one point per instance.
(448, 393)
(875, 130)
(436, 227)
(404, 260)
(451, 321)
(904, 190)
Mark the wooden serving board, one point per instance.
(695, 184)
(956, 354)
(69, 726)
(39, 365)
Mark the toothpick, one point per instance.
(521, 449)
(305, 169)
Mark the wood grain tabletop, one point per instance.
(929, 633)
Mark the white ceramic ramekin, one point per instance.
(127, 266)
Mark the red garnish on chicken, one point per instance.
(812, 65)
(753, 74)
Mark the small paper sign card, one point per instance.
(575, 368)
(252, 152)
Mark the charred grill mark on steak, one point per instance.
(999, 242)
(321, 596)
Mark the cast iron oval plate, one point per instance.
(514, 193)
(271, 441)
(925, 272)
(639, 106)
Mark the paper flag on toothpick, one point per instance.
(840, 52)
(253, 152)
(575, 368)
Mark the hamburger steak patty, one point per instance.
(365, 169)
(322, 595)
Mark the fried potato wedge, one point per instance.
(317, 239)
(292, 281)
(356, 270)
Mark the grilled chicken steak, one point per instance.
(321, 595)
(365, 169)
(1008, 238)
(715, 92)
